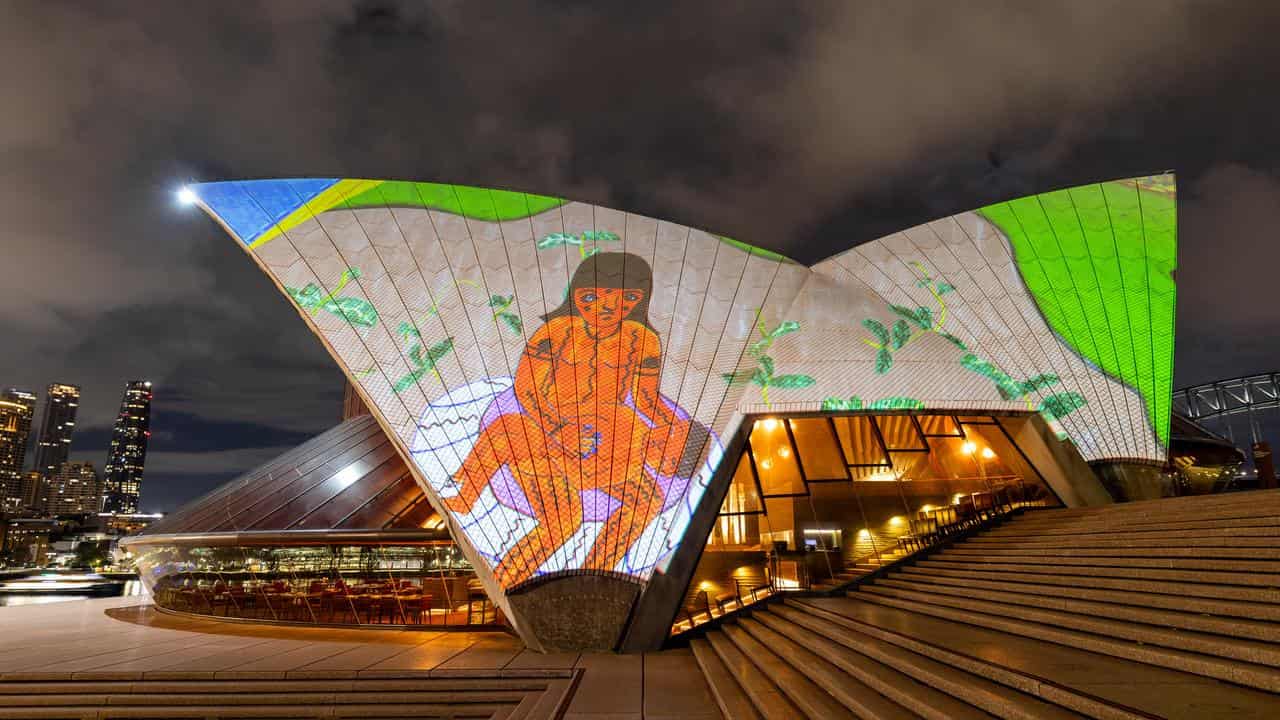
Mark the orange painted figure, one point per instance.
(590, 418)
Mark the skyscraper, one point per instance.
(122, 477)
(33, 491)
(16, 410)
(74, 490)
(56, 426)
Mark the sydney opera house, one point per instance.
(599, 429)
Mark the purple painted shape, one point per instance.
(508, 491)
(673, 487)
(598, 505)
(504, 403)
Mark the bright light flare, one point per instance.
(186, 196)
(987, 454)
(969, 448)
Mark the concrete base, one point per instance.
(575, 612)
(1058, 463)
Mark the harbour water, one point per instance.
(38, 587)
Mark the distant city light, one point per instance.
(186, 196)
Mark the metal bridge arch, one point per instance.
(1224, 399)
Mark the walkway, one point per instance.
(125, 640)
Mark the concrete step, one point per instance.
(1130, 612)
(812, 701)
(1233, 648)
(254, 712)
(1186, 597)
(730, 697)
(1260, 511)
(926, 686)
(1202, 524)
(1266, 582)
(1270, 567)
(1206, 529)
(511, 698)
(1120, 540)
(1248, 553)
(1191, 503)
(1003, 618)
(861, 699)
(256, 699)
(1084, 577)
(766, 697)
(1092, 684)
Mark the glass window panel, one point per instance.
(882, 473)
(885, 520)
(1010, 469)
(939, 425)
(819, 452)
(899, 432)
(910, 466)
(858, 440)
(775, 459)
(977, 419)
(742, 496)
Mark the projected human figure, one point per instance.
(590, 418)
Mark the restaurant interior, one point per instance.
(817, 501)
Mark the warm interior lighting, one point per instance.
(770, 424)
(897, 520)
(968, 448)
(987, 454)
(864, 533)
(784, 452)
(958, 497)
(926, 508)
(766, 464)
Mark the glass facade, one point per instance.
(334, 531)
(422, 583)
(816, 501)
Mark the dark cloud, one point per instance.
(805, 127)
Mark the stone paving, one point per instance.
(126, 638)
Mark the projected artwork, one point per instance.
(562, 374)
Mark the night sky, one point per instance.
(804, 127)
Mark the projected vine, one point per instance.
(914, 323)
(357, 311)
(764, 374)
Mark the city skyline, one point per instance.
(59, 466)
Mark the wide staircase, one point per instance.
(1158, 609)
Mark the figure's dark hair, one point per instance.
(611, 270)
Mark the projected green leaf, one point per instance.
(764, 374)
(1099, 261)
(313, 299)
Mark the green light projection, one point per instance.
(1099, 262)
